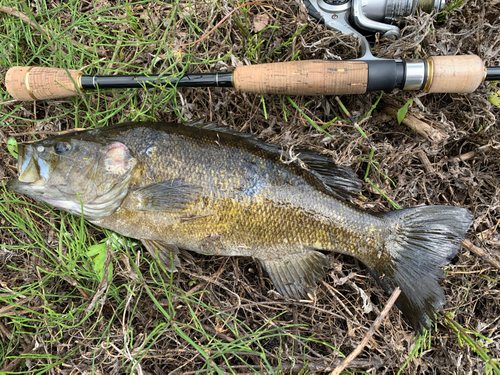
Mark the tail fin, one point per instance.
(421, 241)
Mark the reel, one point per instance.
(368, 17)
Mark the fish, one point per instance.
(200, 187)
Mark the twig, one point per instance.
(5, 331)
(370, 333)
(23, 17)
(9, 102)
(466, 156)
(74, 283)
(470, 154)
(480, 253)
(425, 161)
(419, 126)
(197, 288)
(331, 289)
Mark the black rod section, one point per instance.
(141, 81)
(493, 74)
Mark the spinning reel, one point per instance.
(368, 17)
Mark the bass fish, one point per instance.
(214, 191)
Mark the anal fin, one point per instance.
(296, 275)
(167, 254)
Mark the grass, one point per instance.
(448, 9)
(75, 269)
(78, 297)
(67, 276)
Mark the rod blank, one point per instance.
(142, 81)
(492, 74)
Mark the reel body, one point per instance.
(365, 17)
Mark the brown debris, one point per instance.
(481, 253)
(259, 22)
(423, 128)
(370, 333)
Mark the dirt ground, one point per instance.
(458, 166)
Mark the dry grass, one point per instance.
(145, 322)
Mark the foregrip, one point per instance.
(311, 77)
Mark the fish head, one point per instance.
(75, 174)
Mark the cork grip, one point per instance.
(454, 74)
(312, 77)
(36, 83)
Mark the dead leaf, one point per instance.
(303, 13)
(259, 22)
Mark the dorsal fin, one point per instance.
(338, 180)
(341, 180)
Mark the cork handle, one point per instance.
(313, 77)
(36, 83)
(454, 74)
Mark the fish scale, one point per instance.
(204, 188)
(258, 225)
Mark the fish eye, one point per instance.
(62, 148)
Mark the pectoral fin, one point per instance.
(296, 275)
(171, 196)
(168, 254)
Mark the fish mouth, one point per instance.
(32, 168)
(29, 170)
(33, 179)
(33, 172)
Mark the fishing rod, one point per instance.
(437, 74)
